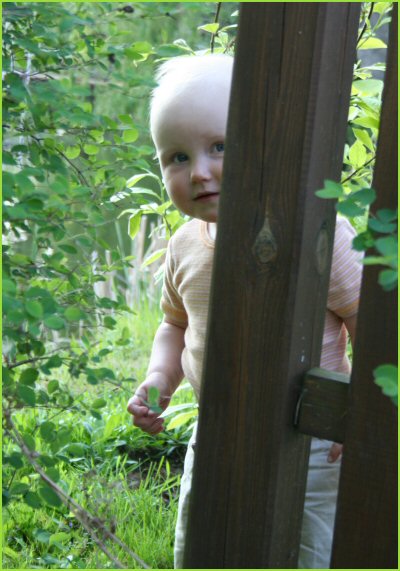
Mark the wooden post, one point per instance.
(286, 133)
(366, 521)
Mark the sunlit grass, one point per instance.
(125, 477)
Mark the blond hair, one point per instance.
(183, 73)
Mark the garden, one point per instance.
(86, 221)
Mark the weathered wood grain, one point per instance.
(366, 523)
(286, 133)
(323, 405)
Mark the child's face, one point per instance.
(189, 134)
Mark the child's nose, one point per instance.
(200, 171)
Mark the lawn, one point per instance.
(127, 479)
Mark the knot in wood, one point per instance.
(322, 250)
(265, 247)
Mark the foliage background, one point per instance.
(81, 224)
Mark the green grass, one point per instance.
(128, 479)
(142, 512)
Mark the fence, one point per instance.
(286, 134)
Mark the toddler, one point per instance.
(189, 111)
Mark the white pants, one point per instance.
(319, 509)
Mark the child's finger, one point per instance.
(151, 426)
(335, 452)
(136, 407)
(157, 426)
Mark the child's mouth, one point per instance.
(207, 196)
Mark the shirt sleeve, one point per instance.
(346, 272)
(171, 302)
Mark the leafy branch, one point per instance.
(92, 524)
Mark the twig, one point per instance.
(76, 169)
(88, 521)
(365, 23)
(32, 360)
(357, 170)
(215, 21)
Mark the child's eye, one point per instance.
(219, 147)
(180, 158)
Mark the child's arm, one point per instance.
(164, 373)
(351, 324)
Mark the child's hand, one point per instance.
(150, 400)
(335, 452)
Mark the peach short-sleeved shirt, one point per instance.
(187, 281)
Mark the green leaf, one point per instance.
(91, 149)
(364, 197)
(33, 500)
(72, 152)
(153, 257)
(29, 376)
(134, 224)
(368, 86)
(140, 191)
(68, 248)
(386, 215)
(126, 119)
(109, 322)
(27, 394)
(375, 260)
(357, 154)
(142, 47)
(169, 50)
(52, 386)
(386, 377)
(363, 136)
(130, 135)
(48, 431)
(133, 180)
(134, 55)
(211, 28)
(54, 322)
(16, 460)
(388, 279)
(34, 308)
(41, 535)
(59, 537)
(154, 399)
(383, 227)
(371, 122)
(99, 403)
(98, 136)
(372, 44)
(29, 441)
(349, 208)
(54, 362)
(387, 246)
(50, 496)
(15, 316)
(331, 190)
(76, 449)
(53, 474)
(19, 488)
(181, 419)
(9, 286)
(47, 461)
(73, 314)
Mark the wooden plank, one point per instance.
(323, 404)
(366, 523)
(286, 132)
